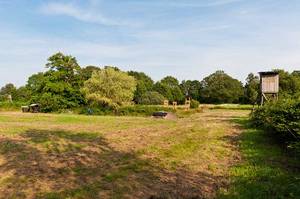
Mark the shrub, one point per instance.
(151, 98)
(136, 110)
(282, 118)
(194, 104)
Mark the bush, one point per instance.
(151, 98)
(8, 106)
(282, 118)
(137, 110)
(194, 104)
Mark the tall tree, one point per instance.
(144, 85)
(251, 89)
(59, 87)
(86, 73)
(219, 87)
(289, 84)
(169, 87)
(191, 88)
(109, 87)
(8, 89)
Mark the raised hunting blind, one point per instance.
(269, 86)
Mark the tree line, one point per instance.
(66, 85)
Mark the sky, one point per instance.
(188, 39)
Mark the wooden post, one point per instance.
(187, 104)
(166, 103)
(174, 105)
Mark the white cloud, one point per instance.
(85, 15)
(194, 4)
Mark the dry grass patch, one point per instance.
(73, 156)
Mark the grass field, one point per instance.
(200, 155)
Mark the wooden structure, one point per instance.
(269, 86)
(187, 103)
(174, 105)
(166, 103)
(33, 108)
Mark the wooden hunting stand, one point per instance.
(269, 86)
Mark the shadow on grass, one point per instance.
(265, 171)
(62, 164)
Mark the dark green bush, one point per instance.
(151, 98)
(194, 104)
(281, 118)
(7, 106)
(137, 110)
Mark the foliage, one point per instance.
(109, 87)
(170, 89)
(266, 171)
(221, 88)
(59, 87)
(191, 88)
(251, 89)
(144, 85)
(7, 106)
(151, 98)
(136, 110)
(86, 73)
(8, 89)
(282, 118)
(194, 104)
(289, 84)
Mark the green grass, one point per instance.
(266, 171)
(58, 156)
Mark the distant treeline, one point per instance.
(66, 85)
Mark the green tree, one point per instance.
(86, 73)
(191, 88)
(144, 85)
(251, 89)
(109, 87)
(289, 84)
(221, 88)
(169, 87)
(59, 87)
(151, 98)
(8, 89)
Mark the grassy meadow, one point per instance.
(198, 155)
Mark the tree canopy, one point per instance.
(109, 87)
(169, 87)
(219, 87)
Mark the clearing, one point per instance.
(202, 155)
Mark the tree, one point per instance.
(59, 87)
(144, 85)
(8, 89)
(221, 88)
(23, 94)
(289, 84)
(109, 87)
(170, 89)
(86, 73)
(251, 89)
(191, 88)
(151, 98)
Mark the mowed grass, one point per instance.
(266, 169)
(199, 155)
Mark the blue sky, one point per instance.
(188, 39)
